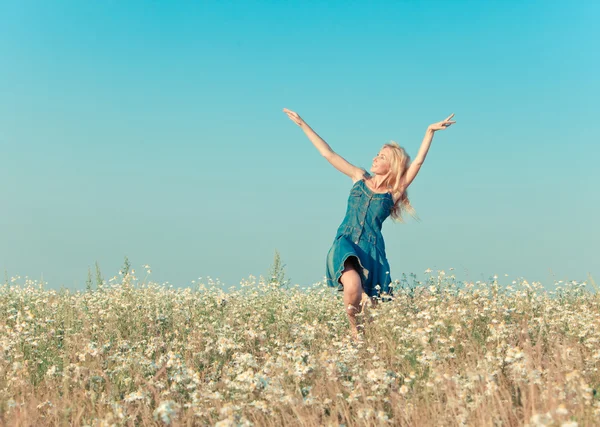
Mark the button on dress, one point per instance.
(359, 236)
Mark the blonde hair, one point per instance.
(399, 162)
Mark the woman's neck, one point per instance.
(380, 183)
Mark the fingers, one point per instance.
(293, 116)
(446, 123)
(294, 119)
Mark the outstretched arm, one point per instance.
(416, 164)
(332, 157)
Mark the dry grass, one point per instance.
(440, 353)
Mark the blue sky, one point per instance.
(154, 130)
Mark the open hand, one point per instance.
(443, 124)
(294, 117)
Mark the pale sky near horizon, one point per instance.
(154, 130)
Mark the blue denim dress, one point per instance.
(359, 236)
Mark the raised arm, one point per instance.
(416, 164)
(332, 157)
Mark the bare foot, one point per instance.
(358, 334)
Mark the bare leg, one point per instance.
(352, 295)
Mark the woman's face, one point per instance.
(381, 162)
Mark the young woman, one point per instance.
(356, 262)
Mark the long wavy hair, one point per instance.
(399, 164)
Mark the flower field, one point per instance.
(440, 353)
